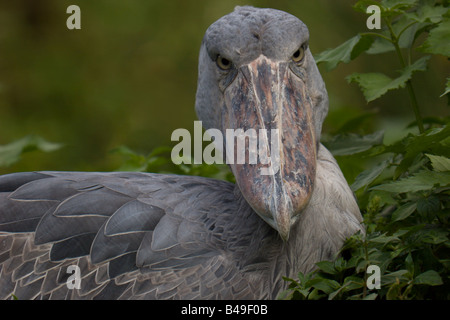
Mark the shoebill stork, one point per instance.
(160, 236)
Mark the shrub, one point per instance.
(404, 194)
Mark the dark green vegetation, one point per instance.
(404, 192)
(132, 82)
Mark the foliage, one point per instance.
(406, 206)
(12, 152)
(404, 194)
(159, 160)
(407, 22)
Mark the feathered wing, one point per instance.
(152, 236)
(133, 235)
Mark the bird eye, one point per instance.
(298, 55)
(223, 63)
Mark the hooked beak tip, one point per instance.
(284, 234)
(283, 218)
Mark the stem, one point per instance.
(379, 35)
(405, 28)
(366, 254)
(412, 95)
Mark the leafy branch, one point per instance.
(405, 21)
(403, 193)
(12, 152)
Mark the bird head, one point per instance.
(256, 72)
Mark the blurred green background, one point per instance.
(129, 76)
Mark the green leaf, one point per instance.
(430, 277)
(423, 180)
(392, 8)
(362, 265)
(327, 267)
(380, 45)
(133, 161)
(368, 176)
(374, 85)
(428, 13)
(404, 211)
(345, 52)
(301, 277)
(350, 283)
(395, 290)
(316, 295)
(362, 5)
(406, 30)
(382, 198)
(439, 163)
(434, 236)
(397, 4)
(326, 285)
(392, 277)
(364, 43)
(388, 8)
(347, 144)
(371, 296)
(447, 88)
(445, 263)
(409, 263)
(12, 152)
(400, 233)
(428, 205)
(384, 239)
(413, 145)
(438, 40)
(340, 264)
(286, 295)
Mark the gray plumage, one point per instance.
(156, 236)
